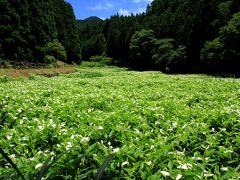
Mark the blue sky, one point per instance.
(106, 8)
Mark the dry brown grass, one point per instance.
(48, 72)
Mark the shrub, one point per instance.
(49, 59)
(56, 50)
(4, 79)
(102, 60)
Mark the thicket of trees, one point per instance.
(173, 35)
(43, 31)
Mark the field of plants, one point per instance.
(111, 123)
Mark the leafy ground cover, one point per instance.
(157, 126)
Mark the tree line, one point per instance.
(38, 31)
(178, 36)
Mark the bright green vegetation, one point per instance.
(157, 125)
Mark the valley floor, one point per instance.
(158, 126)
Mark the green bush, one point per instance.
(91, 64)
(49, 59)
(102, 60)
(54, 49)
(4, 79)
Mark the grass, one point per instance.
(158, 126)
(93, 64)
(26, 73)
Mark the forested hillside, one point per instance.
(176, 36)
(91, 36)
(42, 31)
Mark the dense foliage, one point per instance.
(172, 126)
(27, 26)
(91, 37)
(189, 35)
(224, 51)
(195, 27)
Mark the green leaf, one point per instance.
(103, 167)
(11, 162)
